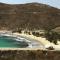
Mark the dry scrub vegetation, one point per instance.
(29, 55)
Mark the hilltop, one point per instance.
(28, 16)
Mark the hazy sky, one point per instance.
(55, 3)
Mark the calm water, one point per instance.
(11, 42)
(18, 42)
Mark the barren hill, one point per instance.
(28, 16)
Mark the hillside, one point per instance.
(28, 16)
(28, 54)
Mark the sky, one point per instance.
(54, 3)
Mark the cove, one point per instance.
(11, 42)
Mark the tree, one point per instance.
(51, 36)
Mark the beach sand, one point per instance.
(45, 42)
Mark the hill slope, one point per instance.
(28, 16)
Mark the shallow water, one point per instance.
(7, 41)
(11, 42)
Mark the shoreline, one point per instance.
(31, 42)
(45, 42)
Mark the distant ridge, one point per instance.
(28, 16)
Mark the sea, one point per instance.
(7, 41)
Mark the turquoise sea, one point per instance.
(8, 41)
(11, 42)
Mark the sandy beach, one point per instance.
(45, 42)
(41, 40)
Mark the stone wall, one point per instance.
(29, 55)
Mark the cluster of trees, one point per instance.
(52, 36)
(36, 34)
(49, 35)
